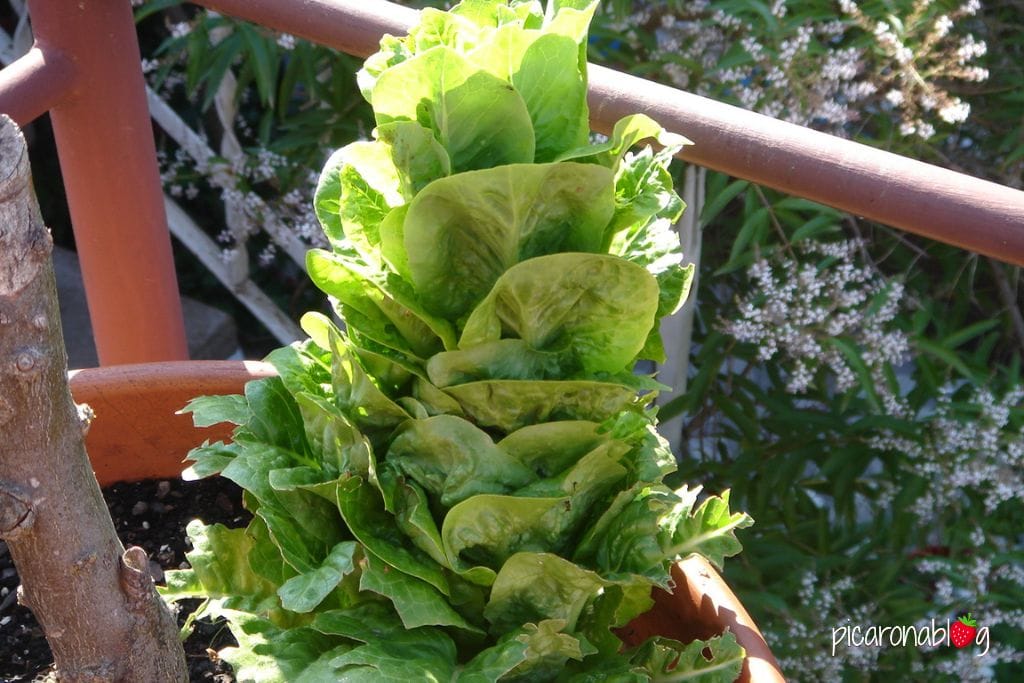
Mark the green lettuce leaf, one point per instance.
(628, 131)
(453, 460)
(628, 537)
(479, 120)
(210, 410)
(501, 359)
(336, 443)
(304, 592)
(489, 14)
(551, 447)
(599, 307)
(622, 600)
(709, 530)
(275, 418)
(667, 660)
(302, 524)
(451, 29)
(586, 481)
(408, 502)
(464, 231)
(534, 652)
(393, 50)
(369, 306)
(365, 621)
(531, 587)
(418, 158)
(269, 654)
(643, 192)
(362, 507)
(220, 570)
(647, 527)
(265, 557)
(303, 367)
(357, 188)
(209, 459)
(556, 97)
(509, 405)
(417, 602)
(355, 392)
(422, 654)
(486, 530)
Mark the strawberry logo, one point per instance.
(962, 631)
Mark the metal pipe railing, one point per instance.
(926, 200)
(108, 161)
(35, 83)
(920, 198)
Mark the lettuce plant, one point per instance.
(465, 484)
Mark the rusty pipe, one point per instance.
(35, 83)
(888, 188)
(108, 159)
(352, 26)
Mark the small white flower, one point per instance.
(181, 29)
(848, 7)
(955, 112)
(286, 41)
(895, 98)
(971, 7)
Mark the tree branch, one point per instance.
(95, 601)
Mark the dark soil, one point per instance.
(153, 515)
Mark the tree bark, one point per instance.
(95, 600)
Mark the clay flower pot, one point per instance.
(137, 434)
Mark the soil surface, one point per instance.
(153, 515)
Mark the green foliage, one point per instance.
(465, 483)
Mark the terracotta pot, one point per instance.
(137, 434)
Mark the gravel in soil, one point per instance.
(153, 515)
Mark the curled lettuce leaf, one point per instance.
(509, 405)
(464, 231)
(500, 359)
(479, 120)
(535, 586)
(599, 307)
(454, 460)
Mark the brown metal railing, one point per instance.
(85, 71)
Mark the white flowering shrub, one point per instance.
(865, 465)
(917, 54)
(823, 314)
(823, 604)
(814, 62)
(967, 452)
(266, 106)
(259, 186)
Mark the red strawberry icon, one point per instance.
(962, 631)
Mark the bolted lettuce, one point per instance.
(464, 483)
